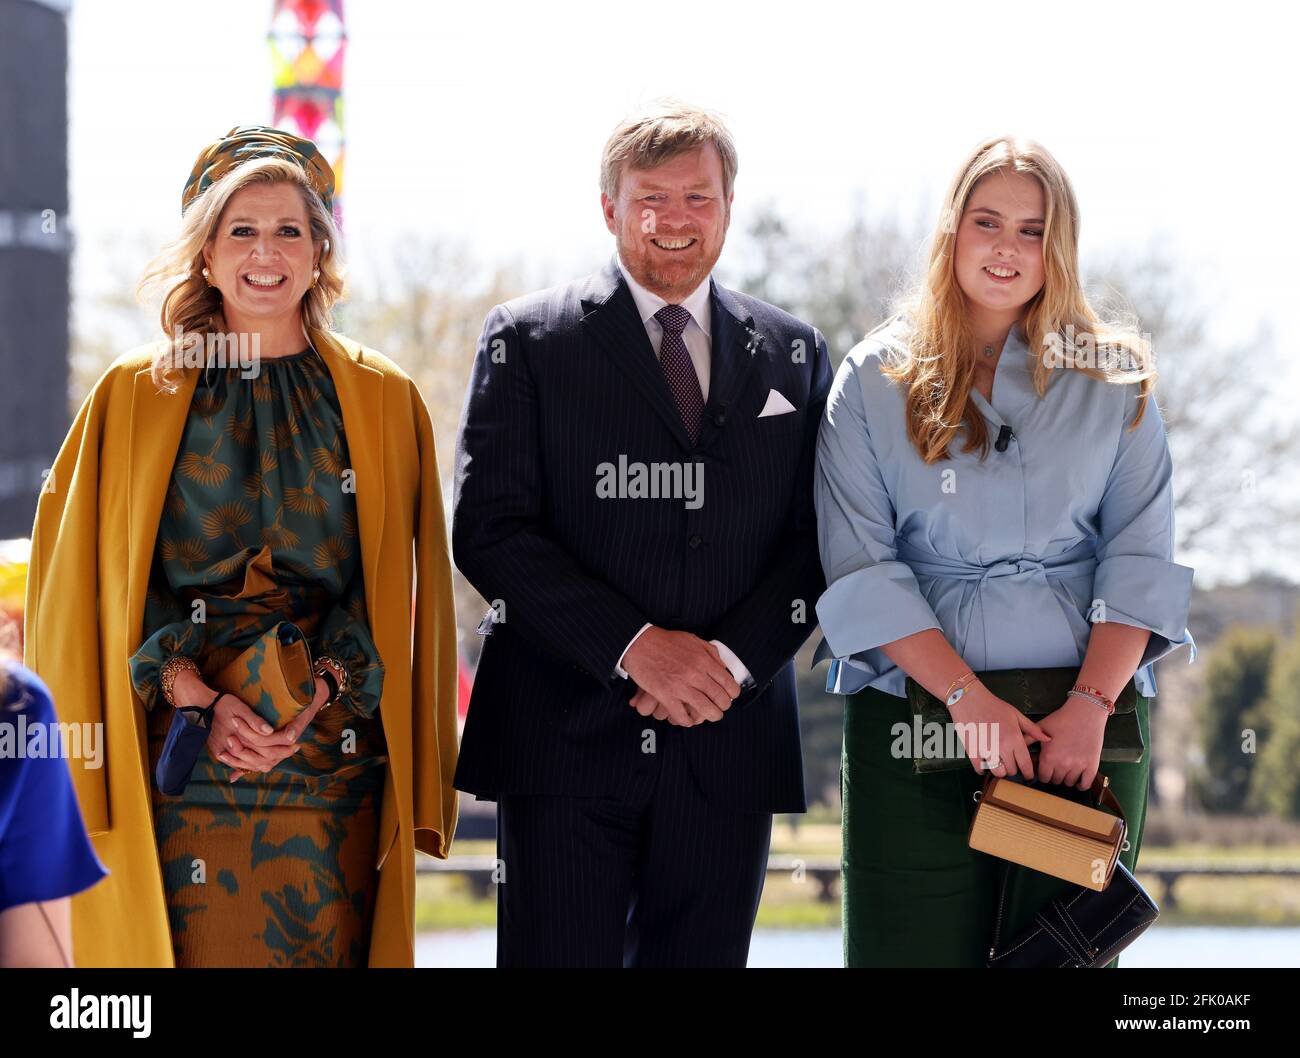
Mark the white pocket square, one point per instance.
(776, 404)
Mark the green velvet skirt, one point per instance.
(914, 892)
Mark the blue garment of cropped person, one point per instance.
(1006, 556)
(45, 853)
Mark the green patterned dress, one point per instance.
(259, 526)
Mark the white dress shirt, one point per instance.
(698, 339)
(697, 335)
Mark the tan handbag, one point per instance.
(1049, 833)
(274, 675)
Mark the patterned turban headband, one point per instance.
(244, 142)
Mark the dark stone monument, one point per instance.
(35, 251)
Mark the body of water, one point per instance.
(1168, 946)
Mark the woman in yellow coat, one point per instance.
(203, 502)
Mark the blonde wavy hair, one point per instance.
(936, 362)
(190, 304)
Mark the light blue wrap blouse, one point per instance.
(1011, 558)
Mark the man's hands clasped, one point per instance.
(681, 678)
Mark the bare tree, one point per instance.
(1234, 458)
(109, 322)
(1233, 493)
(424, 307)
(844, 285)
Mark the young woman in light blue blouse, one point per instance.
(993, 492)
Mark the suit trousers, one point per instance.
(914, 892)
(660, 877)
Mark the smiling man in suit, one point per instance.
(634, 496)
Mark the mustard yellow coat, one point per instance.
(92, 548)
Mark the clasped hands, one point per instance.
(1070, 738)
(241, 739)
(680, 678)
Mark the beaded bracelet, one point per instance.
(1093, 695)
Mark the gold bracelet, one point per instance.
(336, 669)
(960, 681)
(174, 666)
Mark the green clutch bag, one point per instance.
(1035, 692)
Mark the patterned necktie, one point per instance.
(678, 369)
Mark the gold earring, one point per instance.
(315, 276)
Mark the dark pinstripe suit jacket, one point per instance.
(565, 380)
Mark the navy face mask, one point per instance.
(185, 741)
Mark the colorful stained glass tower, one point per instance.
(308, 41)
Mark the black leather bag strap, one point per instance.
(1055, 925)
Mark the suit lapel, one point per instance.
(613, 321)
(731, 363)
